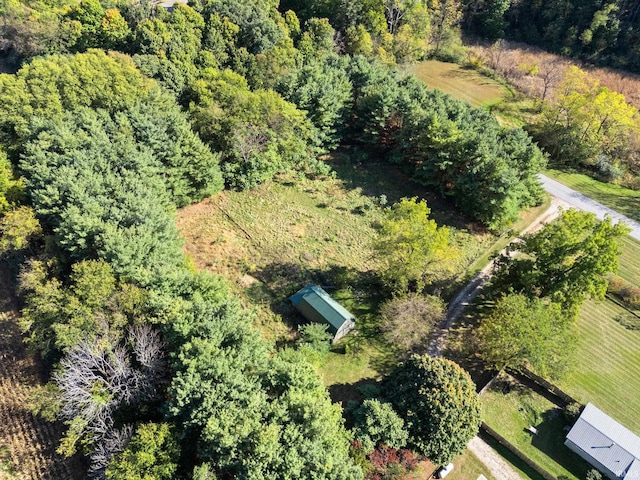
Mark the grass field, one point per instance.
(272, 240)
(622, 200)
(606, 368)
(630, 261)
(461, 83)
(509, 408)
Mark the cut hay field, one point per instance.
(27, 442)
(606, 368)
(630, 261)
(462, 83)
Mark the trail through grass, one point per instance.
(272, 240)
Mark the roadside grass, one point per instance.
(622, 200)
(462, 83)
(510, 408)
(606, 367)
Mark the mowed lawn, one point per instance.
(461, 83)
(629, 260)
(606, 368)
(510, 408)
(622, 200)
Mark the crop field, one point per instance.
(606, 367)
(461, 83)
(622, 200)
(27, 442)
(510, 408)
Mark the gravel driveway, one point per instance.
(582, 202)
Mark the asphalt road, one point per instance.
(582, 202)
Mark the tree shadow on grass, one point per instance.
(378, 179)
(550, 440)
(354, 289)
(344, 393)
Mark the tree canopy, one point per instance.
(523, 332)
(567, 261)
(437, 400)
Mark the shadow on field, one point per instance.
(357, 291)
(345, 392)
(550, 441)
(384, 181)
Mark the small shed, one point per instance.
(316, 305)
(605, 444)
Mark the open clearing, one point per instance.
(462, 83)
(27, 442)
(510, 408)
(276, 238)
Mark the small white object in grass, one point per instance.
(444, 471)
(532, 429)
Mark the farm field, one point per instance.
(620, 199)
(510, 408)
(462, 83)
(27, 442)
(606, 367)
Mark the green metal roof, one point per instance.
(316, 305)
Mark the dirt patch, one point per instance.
(29, 441)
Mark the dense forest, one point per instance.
(596, 31)
(121, 112)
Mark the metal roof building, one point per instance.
(317, 306)
(605, 444)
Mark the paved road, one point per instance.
(582, 202)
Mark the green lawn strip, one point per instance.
(606, 368)
(511, 410)
(469, 467)
(622, 200)
(462, 83)
(630, 261)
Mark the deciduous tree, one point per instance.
(415, 251)
(438, 402)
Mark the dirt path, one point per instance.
(471, 290)
(27, 442)
(500, 469)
